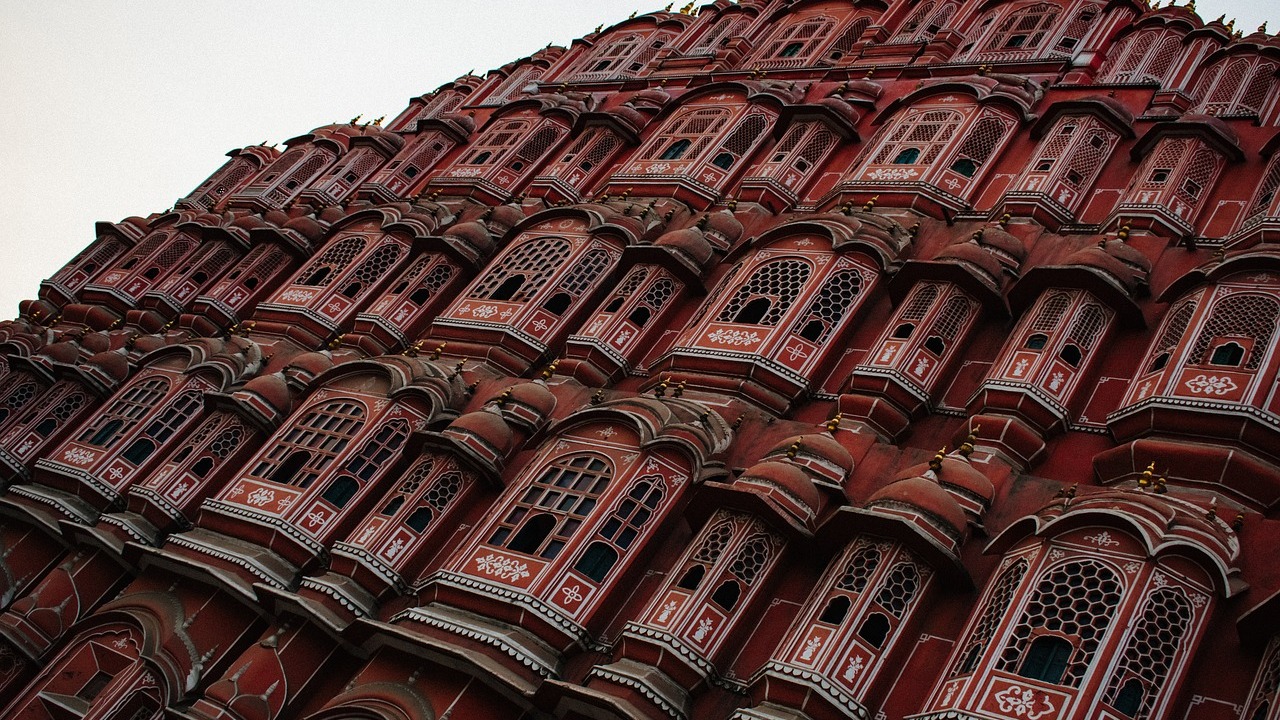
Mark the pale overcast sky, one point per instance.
(119, 108)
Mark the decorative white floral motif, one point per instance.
(115, 473)
(1211, 385)
(607, 432)
(315, 517)
(467, 172)
(622, 337)
(852, 669)
(922, 366)
(179, 490)
(484, 311)
(260, 497)
(572, 594)
(25, 447)
(79, 456)
(502, 567)
(892, 174)
(667, 609)
(1160, 581)
(121, 643)
(810, 647)
(1199, 600)
(1132, 567)
(296, 295)
(734, 337)
(285, 502)
(705, 627)
(1056, 554)
(657, 168)
(365, 535)
(1056, 381)
(1020, 368)
(540, 325)
(1022, 702)
(1102, 538)
(394, 548)
(334, 307)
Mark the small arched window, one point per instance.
(301, 452)
(1236, 321)
(552, 509)
(1046, 659)
(624, 525)
(130, 406)
(332, 261)
(520, 274)
(767, 294)
(1150, 653)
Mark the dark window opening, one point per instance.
(1230, 354)
(614, 304)
(1260, 713)
(971, 659)
(935, 345)
(353, 289)
(419, 519)
(1070, 355)
(875, 629)
(46, 427)
(836, 610)
(106, 434)
(909, 156)
(640, 316)
(1016, 41)
(287, 470)
(726, 596)
(350, 177)
(139, 451)
(530, 537)
(597, 561)
(1044, 166)
(391, 507)
(1158, 364)
(420, 296)
(318, 276)
(1046, 659)
(676, 150)
(692, 578)
(753, 312)
(558, 303)
(95, 686)
(813, 330)
(1160, 176)
(482, 158)
(1074, 177)
(965, 167)
(410, 172)
(341, 490)
(202, 467)
(251, 283)
(903, 331)
(791, 50)
(724, 161)
(1129, 699)
(1037, 342)
(508, 288)
(151, 273)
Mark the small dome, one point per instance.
(973, 254)
(505, 217)
(473, 233)
(956, 472)
(788, 478)
(487, 426)
(536, 395)
(841, 108)
(1004, 245)
(273, 390)
(66, 352)
(307, 226)
(926, 496)
(691, 241)
(111, 363)
(819, 453)
(95, 342)
(310, 364)
(653, 97)
(724, 227)
(144, 344)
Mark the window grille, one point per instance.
(174, 417)
(431, 284)
(300, 176)
(413, 479)
(919, 138)
(529, 265)
(696, 127)
(623, 526)
(173, 252)
(979, 144)
(849, 38)
(1071, 35)
(536, 146)
(1235, 86)
(91, 260)
(513, 85)
(629, 285)
(953, 317)
(659, 293)
(63, 411)
(1022, 32)
(610, 60)
(924, 23)
(1088, 325)
(321, 272)
(1076, 600)
(1199, 176)
(1254, 94)
(1145, 57)
(18, 396)
(1267, 189)
(379, 451)
(1051, 313)
(1087, 159)
(1149, 654)
(126, 411)
(858, 572)
(1240, 316)
(280, 166)
(718, 34)
(554, 506)
(794, 45)
(921, 301)
(1263, 698)
(767, 295)
(899, 589)
(751, 559)
(307, 448)
(1175, 329)
(489, 149)
(373, 268)
(433, 503)
(741, 140)
(585, 272)
(714, 543)
(993, 613)
(441, 104)
(425, 152)
(829, 306)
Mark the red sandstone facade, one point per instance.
(612, 385)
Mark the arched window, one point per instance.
(129, 407)
(520, 274)
(767, 295)
(331, 262)
(740, 141)
(1149, 654)
(514, 84)
(1175, 328)
(423, 281)
(1235, 86)
(554, 506)
(1261, 205)
(919, 138)
(1142, 58)
(713, 544)
(303, 451)
(1244, 319)
(828, 307)
(801, 151)
(925, 22)
(724, 29)
(1262, 698)
(743, 571)
(626, 523)
(1023, 31)
(688, 134)
(180, 410)
(999, 599)
(371, 269)
(491, 147)
(979, 143)
(64, 410)
(1068, 614)
(377, 455)
(796, 44)
(578, 281)
(19, 392)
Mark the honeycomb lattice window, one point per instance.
(767, 295)
(1076, 600)
(829, 306)
(552, 508)
(226, 442)
(998, 603)
(858, 572)
(751, 559)
(980, 142)
(924, 23)
(413, 479)
(1267, 189)
(794, 45)
(1149, 654)
(63, 411)
(1144, 57)
(19, 396)
(433, 503)
(443, 490)
(899, 589)
(306, 449)
(919, 138)
(692, 131)
(1239, 316)
(1022, 32)
(321, 272)
(129, 407)
(659, 293)
(539, 144)
(521, 274)
(722, 31)
(714, 543)
(372, 269)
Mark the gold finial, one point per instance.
(1231, 25)
(355, 119)
(1211, 513)
(966, 448)
(936, 463)
(504, 398)
(457, 369)
(597, 397)
(737, 422)
(732, 204)
(871, 72)
(1123, 232)
(336, 343)
(435, 354)
(1004, 220)
(1263, 27)
(679, 391)
(914, 230)
(687, 9)
(550, 370)
(870, 205)
(599, 28)
(794, 449)
(633, 14)
(1221, 17)
(1238, 522)
(661, 390)
(976, 236)
(847, 208)
(414, 349)
(668, 7)
(702, 222)
(834, 423)
(1192, 6)
(1160, 485)
(1147, 478)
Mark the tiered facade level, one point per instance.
(612, 385)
